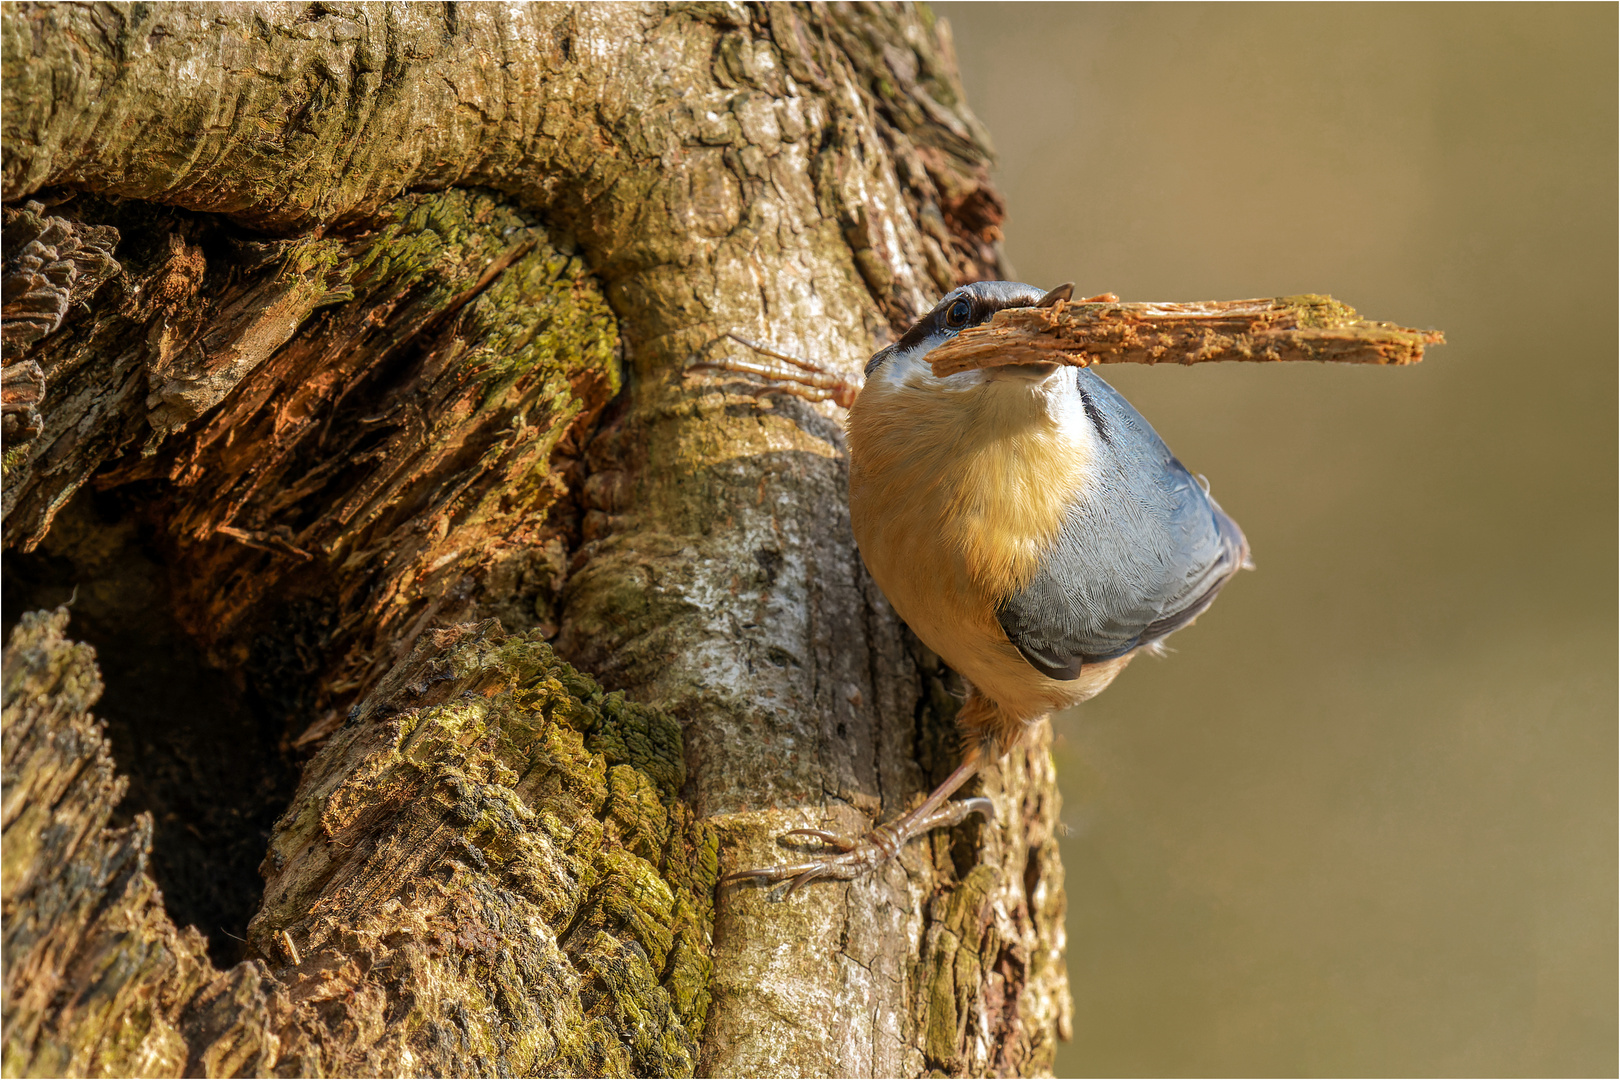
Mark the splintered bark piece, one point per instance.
(1306, 327)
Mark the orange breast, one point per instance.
(954, 496)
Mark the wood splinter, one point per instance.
(1306, 327)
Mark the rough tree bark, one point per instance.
(368, 330)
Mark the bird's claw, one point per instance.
(852, 858)
(830, 838)
(801, 379)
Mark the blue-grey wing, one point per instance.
(1143, 551)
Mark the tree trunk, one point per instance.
(348, 375)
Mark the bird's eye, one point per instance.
(958, 314)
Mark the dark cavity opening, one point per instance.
(205, 755)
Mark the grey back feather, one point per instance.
(1142, 552)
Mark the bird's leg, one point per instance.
(801, 379)
(986, 731)
(847, 857)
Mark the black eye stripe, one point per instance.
(915, 336)
(878, 357)
(982, 305)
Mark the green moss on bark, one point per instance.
(504, 843)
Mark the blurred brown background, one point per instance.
(1363, 820)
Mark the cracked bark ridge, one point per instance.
(1294, 328)
(804, 175)
(290, 121)
(98, 981)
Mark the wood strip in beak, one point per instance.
(1306, 327)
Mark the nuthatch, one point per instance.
(1027, 524)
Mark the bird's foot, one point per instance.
(841, 858)
(801, 379)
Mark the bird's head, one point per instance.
(905, 362)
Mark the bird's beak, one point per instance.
(1062, 292)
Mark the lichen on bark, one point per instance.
(489, 869)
